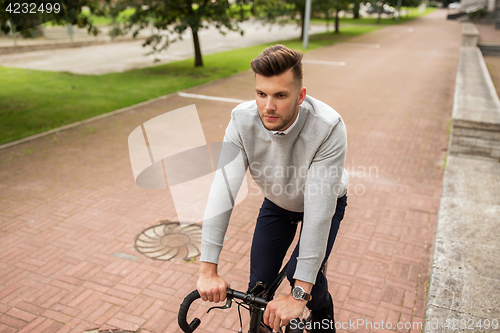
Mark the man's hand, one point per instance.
(281, 310)
(211, 286)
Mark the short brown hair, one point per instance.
(278, 59)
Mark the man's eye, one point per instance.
(281, 96)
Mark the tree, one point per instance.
(174, 17)
(379, 5)
(327, 7)
(14, 17)
(280, 11)
(406, 3)
(356, 6)
(339, 6)
(322, 8)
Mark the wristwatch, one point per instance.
(300, 294)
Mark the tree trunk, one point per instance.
(399, 10)
(337, 20)
(379, 15)
(303, 18)
(327, 18)
(13, 32)
(355, 9)
(198, 60)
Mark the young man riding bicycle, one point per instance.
(294, 146)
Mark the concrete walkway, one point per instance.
(464, 292)
(70, 210)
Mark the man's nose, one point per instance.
(270, 104)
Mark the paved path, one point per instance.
(69, 205)
(122, 56)
(488, 33)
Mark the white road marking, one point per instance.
(322, 62)
(212, 98)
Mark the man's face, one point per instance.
(278, 98)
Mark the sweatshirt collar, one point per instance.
(289, 128)
(294, 129)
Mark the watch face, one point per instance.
(298, 293)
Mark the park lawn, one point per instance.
(33, 101)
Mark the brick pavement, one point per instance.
(69, 203)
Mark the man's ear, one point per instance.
(302, 95)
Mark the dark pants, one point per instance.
(274, 232)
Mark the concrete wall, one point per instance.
(467, 3)
(476, 110)
(491, 5)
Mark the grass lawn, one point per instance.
(33, 101)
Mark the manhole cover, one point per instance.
(170, 241)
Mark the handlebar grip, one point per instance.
(181, 318)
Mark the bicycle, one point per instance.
(255, 300)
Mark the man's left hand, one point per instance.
(281, 310)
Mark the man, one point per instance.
(294, 146)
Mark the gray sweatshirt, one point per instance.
(302, 171)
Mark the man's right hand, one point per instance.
(210, 285)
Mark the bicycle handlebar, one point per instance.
(194, 295)
(182, 316)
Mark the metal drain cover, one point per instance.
(170, 241)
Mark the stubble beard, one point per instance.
(283, 123)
